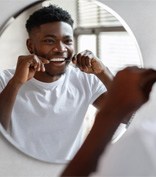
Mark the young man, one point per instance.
(133, 154)
(44, 100)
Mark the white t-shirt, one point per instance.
(134, 155)
(47, 118)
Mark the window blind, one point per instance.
(90, 14)
(103, 34)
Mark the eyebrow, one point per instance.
(53, 36)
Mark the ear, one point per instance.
(30, 45)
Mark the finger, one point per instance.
(134, 68)
(147, 89)
(43, 60)
(147, 75)
(36, 58)
(82, 59)
(42, 67)
(40, 62)
(74, 59)
(88, 62)
(78, 60)
(148, 81)
(90, 58)
(37, 63)
(32, 61)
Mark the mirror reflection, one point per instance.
(49, 98)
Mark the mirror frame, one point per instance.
(36, 3)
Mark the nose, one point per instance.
(60, 47)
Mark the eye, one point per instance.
(68, 41)
(49, 41)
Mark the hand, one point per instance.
(88, 63)
(27, 66)
(129, 90)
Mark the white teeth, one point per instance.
(57, 59)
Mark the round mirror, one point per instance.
(97, 28)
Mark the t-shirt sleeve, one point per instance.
(2, 85)
(5, 76)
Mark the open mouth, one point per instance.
(57, 59)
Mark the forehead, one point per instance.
(54, 28)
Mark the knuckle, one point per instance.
(79, 55)
(20, 57)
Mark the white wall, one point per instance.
(140, 16)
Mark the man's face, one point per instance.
(53, 41)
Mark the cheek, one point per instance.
(42, 51)
(71, 51)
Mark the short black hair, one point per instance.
(52, 13)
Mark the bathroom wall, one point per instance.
(139, 15)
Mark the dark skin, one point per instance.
(132, 95)
(51, 41)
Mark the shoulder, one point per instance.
(6, 75)
(7, 72)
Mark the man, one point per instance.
(131, 156)
(43, 102)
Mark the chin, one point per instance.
(56, 72)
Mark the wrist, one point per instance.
(113, 113)
(105, 72)
(15, 83)
(105, 76)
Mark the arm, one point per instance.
(7, 99)
(87, 157)
(25, 70)
(100, 101)
(88, 63)
(131, 96)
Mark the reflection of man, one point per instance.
(43, 102)
(133, 155)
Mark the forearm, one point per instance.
(7, 100)
(106, 77)
(123, 99)
(85, 161)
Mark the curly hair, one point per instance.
(48, 14)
